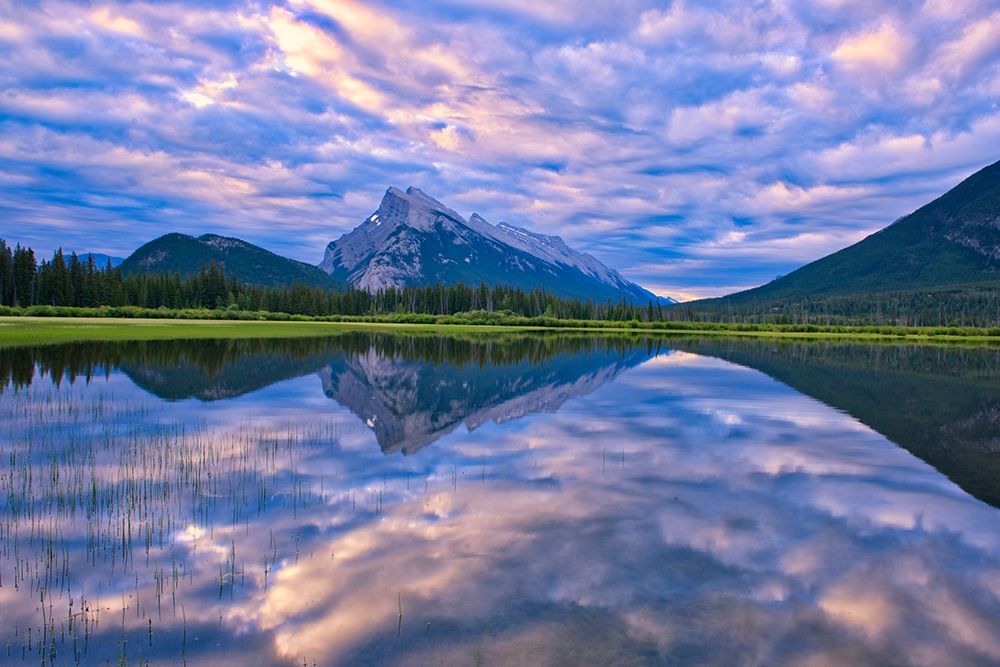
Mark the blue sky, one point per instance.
(698, 147)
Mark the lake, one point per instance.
(529, 499)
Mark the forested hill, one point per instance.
(243, 261)
(953, 240)
(945, 256)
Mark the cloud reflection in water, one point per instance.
(684, 510)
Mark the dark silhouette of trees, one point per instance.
(74, 282)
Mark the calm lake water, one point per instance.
(522, 500)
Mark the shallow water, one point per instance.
(369, 499)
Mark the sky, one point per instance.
(699, 148)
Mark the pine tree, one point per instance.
(61, 289)
(6, 275)
(75, 280)
(24, 276)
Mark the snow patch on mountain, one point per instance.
(390, 249)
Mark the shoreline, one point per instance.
(20, 331)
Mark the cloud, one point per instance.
(976, 43)
(743, 113)
(639, 132)
(885, 49)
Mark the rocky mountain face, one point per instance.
(413, 239)
(186, 255)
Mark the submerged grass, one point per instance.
(109, 510)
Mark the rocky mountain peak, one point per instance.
(412, 207)
(414, 239)
(424, 198)
(551, 239)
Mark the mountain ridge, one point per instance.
(952, 240)
(414, 239)
(244, 261)
(101, 259)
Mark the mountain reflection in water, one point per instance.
(586, 500)
(409, 391)
(940, 403)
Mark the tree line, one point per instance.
(976, 305)
(79, 282)
(248, 362)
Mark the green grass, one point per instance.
(18, 331)
(505, 319)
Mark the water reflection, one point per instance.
(940, 403)
(411, 402)
(409, 391)
(586, 501)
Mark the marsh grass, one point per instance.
(107, 505)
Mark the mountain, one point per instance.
(100, 259)
(244, 261)
(413, 239)
(952, 241)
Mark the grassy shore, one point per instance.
(26, 330)
(47, 330)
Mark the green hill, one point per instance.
(939, 265)
(250, 264)
(952, 241)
